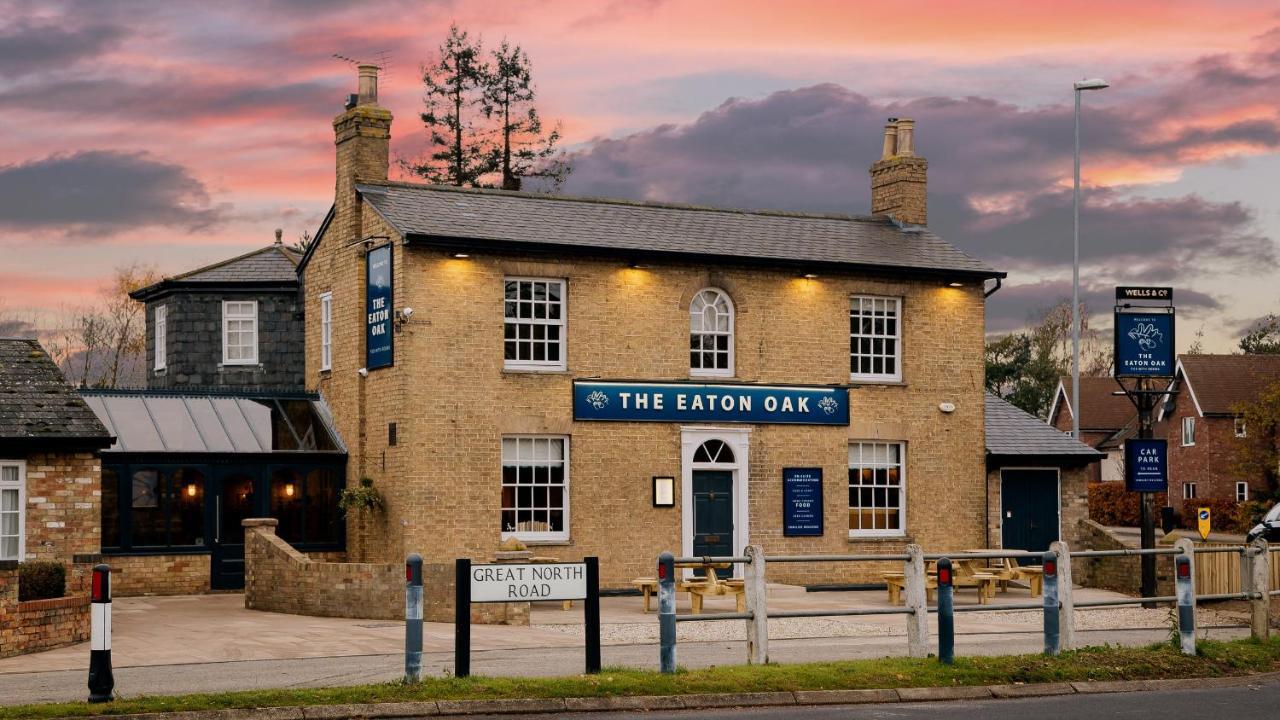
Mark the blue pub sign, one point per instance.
(1146, 465)
(697, 402)
(377, 304)
(801, 502)
(1144, 344)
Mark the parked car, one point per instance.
(1269, 528)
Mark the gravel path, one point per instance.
(784, 628)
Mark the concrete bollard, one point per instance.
(1260, 572)
(1184, 580)
(667, 612)
(917, 602)
(1066, 597)
(1052, 636)
(757, 605)
(413, 618)
(946, 614)
(101, 681)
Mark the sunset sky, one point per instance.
(180, 133)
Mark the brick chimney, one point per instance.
(898, 178)
(362, 134)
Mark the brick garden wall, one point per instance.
(36, 625)
(278, 578)
(158, 574)
(1121, 574)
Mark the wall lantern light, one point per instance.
(191, 489)
(288, 489)
(664, 491)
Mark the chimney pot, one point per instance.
(368, 85)
(906, 137)
(279, 236)
(899, 177)
(890, 141)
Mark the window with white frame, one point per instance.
(877, 489)
(1188, 491)
(13, 502)
(1242, 491)
(875, 338)
(326, 331)
(711, 334)
(1188, 431)
(1241, 430)
(160, 315)
(535, 487)
(239, 332)
(534, 324)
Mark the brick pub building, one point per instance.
(613, 378)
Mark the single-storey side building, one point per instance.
(615, 378)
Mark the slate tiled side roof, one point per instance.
(1221, 382)
(1011, 431)
(1099, 408)
(36, 403)
(440, 213)
(272, 264)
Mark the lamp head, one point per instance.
(1092, 84)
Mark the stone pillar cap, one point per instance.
(259, 522)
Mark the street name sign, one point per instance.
(520, 582)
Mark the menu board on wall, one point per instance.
(801, 501)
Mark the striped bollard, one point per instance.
(413, 618)
(946, 614)
(101, 681)
(667, 612)
(1052, 638)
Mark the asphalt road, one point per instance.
(1255, 702)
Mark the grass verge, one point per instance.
(1216, 659)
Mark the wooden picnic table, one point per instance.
(1008, 569)
(699, 587)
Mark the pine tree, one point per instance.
(456, 109)
(522, 150)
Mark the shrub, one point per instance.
(364, 498)
(1227, 515)
(1110, 504)
(41, 581)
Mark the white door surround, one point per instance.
(737, 439)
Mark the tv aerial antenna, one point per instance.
(382, 59)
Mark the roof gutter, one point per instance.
(999, 281)
(470, 245)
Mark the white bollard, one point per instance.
(758, 606)
(101, 680)
(917, 602)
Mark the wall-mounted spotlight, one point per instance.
(955, 284)
(461, 255)
(810, 276)
(638, 266)
(402, 317)
(363, 372)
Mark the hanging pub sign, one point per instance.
(1146, 465)
(801, 501)
(1144, 343)
(695, 402)
(377, 328)
(1164, 294)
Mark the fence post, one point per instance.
(1260, 567)
(1066, 597)
(1246, 569)
(1184, 582)
(757, 606)
(917, 602)
(1052, 637)
(101, 681)
(667, 612)
(413, 617)
(946, 614)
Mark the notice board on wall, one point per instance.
(801, 501)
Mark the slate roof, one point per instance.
(37, 405)
(1099, 408)
(274, 264)
(1221, 382)
(1013, 432)
(472, 218)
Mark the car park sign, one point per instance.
(1146, 465)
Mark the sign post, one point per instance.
(1145, 355)
(525, 582)
(1204, 522)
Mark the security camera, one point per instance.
(364, 372)
(407, 312)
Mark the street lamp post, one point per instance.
(1081, 86)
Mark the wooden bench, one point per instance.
(737, 588)
(896, 583)
(696, 588)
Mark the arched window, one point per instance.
(713, 451)
(711, 334)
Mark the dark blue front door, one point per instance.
(1030, 508)
(233, 501)
(713, 514)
